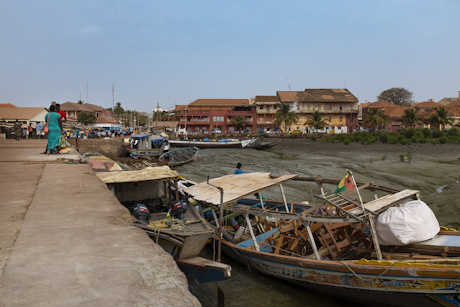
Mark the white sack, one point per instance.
(411, 222)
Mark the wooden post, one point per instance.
(177, 189)
(261, 201)
(284, 198)
(312, 241)
(375, 240)
(248, 222)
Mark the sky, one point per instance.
(174, 52)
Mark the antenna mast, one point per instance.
(288, 83)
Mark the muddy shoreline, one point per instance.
(432, 169)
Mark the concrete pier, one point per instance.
(65, 240)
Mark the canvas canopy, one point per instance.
(235, 187)
(147, 174)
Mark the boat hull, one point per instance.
(397, 286)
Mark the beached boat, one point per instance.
(260, 145)
(181, 231)
(332, 246)
(146, 145)
(179, 156)
(206, 143)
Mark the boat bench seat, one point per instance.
(381, 204)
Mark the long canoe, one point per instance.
(180, 156)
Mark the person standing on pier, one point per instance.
(54, 130)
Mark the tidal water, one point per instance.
(249, 287)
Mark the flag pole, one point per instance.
(357, 190)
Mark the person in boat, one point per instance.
(238, 169)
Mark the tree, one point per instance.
(86, 118)
(285, 116)
(441, 117)
(80, 101)
(396, 95)
(240, 122)
(160, 115)
(118, 109)
(410, 117)
(316, 121)
(377, 117)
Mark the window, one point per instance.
(341, 118)
(330, 119)
(261, 107)
(217, 118)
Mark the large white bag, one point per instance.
(411, 222)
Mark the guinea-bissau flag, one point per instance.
(345, 185)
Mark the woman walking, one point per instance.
(54, 130)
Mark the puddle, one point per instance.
(439, 190)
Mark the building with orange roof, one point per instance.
(204, 115)
(7, 105)
(266, 107)
(446, 101)
(339, 108)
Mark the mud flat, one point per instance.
(425, 167)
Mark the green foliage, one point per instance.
(437, 134)
(285, 116)
(376, 117)
(410, 117)
(86, 118)
(118, 109)
(240, 122)
(452, 132)
(407, 157)
(405, 142)
(426, 132)
(347, 141)
(383, 137)
(314, 137)
(409, 133)
(396, 95)
(316, 121)
(443, 140)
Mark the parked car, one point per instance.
(216, 130)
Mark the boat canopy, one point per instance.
(235, 187)
(159, 173)
(140, 136)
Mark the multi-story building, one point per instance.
(266, 107)
(338, 108)
(208, 115)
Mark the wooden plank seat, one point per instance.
(381, 204)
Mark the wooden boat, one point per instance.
(206, 143)
(260, 145)
(183, 237)
(179, 156)
(146, 145)
(331, 246)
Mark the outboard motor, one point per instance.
(142, 213)
(178, 209)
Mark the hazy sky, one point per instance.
(174, 52)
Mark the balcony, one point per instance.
(328, 110)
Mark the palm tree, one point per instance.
(377, 117)
(410, 117)
(240, 122)
(285, 116)
(316, 121)
(442, 117)
(118, 109)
